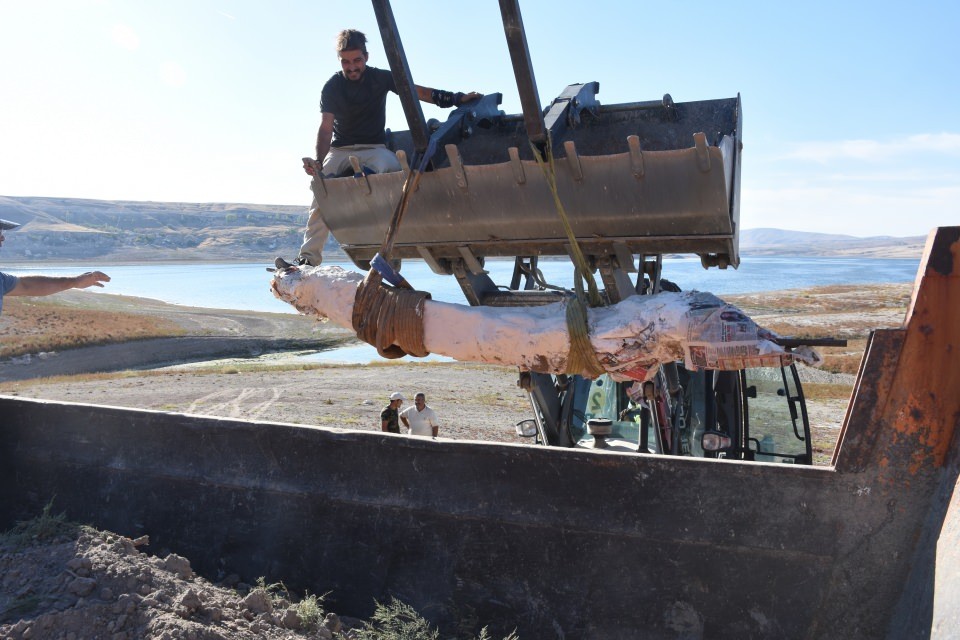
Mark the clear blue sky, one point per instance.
(851, 109)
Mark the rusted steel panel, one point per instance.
(895, 451)
(907, 399)
(868, 402)
(930, 603)
(946, 545)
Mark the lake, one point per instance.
(246, 286)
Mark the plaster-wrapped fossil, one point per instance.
(628, 340)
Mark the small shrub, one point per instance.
(276, 591)
(43, 528)
(396, 621)
(310, 611)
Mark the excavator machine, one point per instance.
(635, 181)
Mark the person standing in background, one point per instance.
(390, 416)
(420, 419)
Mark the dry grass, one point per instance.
(839, 311)
(821, 391)
(843, 359)
(825, 300)
(35, 325)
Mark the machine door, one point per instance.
(777, 428)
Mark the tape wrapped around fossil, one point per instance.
(629, 339)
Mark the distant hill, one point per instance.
(117, 231)
(64, 229)
(766, 242)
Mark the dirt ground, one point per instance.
(472, 401)
(91, 584)
(61, 581)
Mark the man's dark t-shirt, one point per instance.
(392, 416)
(359, 108)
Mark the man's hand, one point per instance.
(311, 167)
(91, 279)
(469, 97)
(48, 285)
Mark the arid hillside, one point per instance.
(64, 229)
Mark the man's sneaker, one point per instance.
(282, 265)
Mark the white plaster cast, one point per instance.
(630, 338)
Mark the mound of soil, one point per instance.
(85, 583)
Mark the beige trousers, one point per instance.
(375, 156)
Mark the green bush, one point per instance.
(310, 612)
(396, 621)
(399, 621)
(43, 528)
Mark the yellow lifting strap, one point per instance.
(582, 269)
(581, 359)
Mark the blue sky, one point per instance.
(851, 109)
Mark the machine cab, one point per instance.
(753, 414)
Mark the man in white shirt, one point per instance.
(420, 419)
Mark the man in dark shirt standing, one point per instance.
(390, 416)
(353, 107)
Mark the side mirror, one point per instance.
(715, 441)
(526, 428)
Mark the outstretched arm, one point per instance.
(445, 99)
(47, 285)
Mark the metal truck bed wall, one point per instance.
(557, 543)
(668, 194)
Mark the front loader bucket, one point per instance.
(642, 178)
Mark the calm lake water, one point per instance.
(246, 286)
